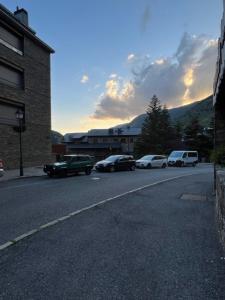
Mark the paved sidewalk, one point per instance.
(28, 172)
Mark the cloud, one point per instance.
(84, 79)
(113, 75)
(130, 57)
(145, 19)
(97, 86)
(185, 77)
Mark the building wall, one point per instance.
(219, 89)
(220, 204)
(127, 142)
(36, 98)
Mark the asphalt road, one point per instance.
(26, 204)
(149, 244)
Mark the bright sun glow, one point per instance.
(189, 78)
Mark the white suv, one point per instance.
(152, 161)
(1, 168)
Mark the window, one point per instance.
(162, 157)
(192, 154)
(8, 112)
(123, 159)
(11, 40)
(83, 158)
(11, 76)
(74, 159)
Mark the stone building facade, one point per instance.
(219, 109)
(25, 86)
(219, 88)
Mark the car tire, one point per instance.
(112, 169)
(149, 166)
(163, 166)
(194, 164)
(50, 175)
(180, 164)
(88, 171)
(132, 168)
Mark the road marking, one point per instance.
(6, 245)
(95, 178)
(74, 213)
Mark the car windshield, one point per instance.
(112, 158)
(176, 154)
(147, 157)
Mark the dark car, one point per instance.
(70, 164)
(116, 163)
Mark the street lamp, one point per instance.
(19, 117)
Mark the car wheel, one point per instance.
(149, 166)
(164, 166)
(132, 168)
(180, 164)
(88, 171)
(112, 169)
(50, 175)
(194, 164)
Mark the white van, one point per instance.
(183, 158)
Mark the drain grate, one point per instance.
(193, 197)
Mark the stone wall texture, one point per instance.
(220, 203)
(36, 96)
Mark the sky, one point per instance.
(112, 56)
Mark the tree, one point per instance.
(198, 138)
(178, 131)
(192, 132)
(157, 133)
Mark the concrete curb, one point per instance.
(22, 177)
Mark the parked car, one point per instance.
(152, 161)
(70, 164)
(116, 163)
(1, 168)
(183, 158)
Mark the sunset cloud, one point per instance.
(185, 77)
(84, 79)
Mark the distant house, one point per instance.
(103, 142)
(24, 90)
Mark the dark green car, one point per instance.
(70, 164)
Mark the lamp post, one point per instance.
(19, 117)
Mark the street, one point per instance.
(152, 236)
(29, 203)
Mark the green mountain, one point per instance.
(202, 109)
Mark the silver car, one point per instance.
(152, 161)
